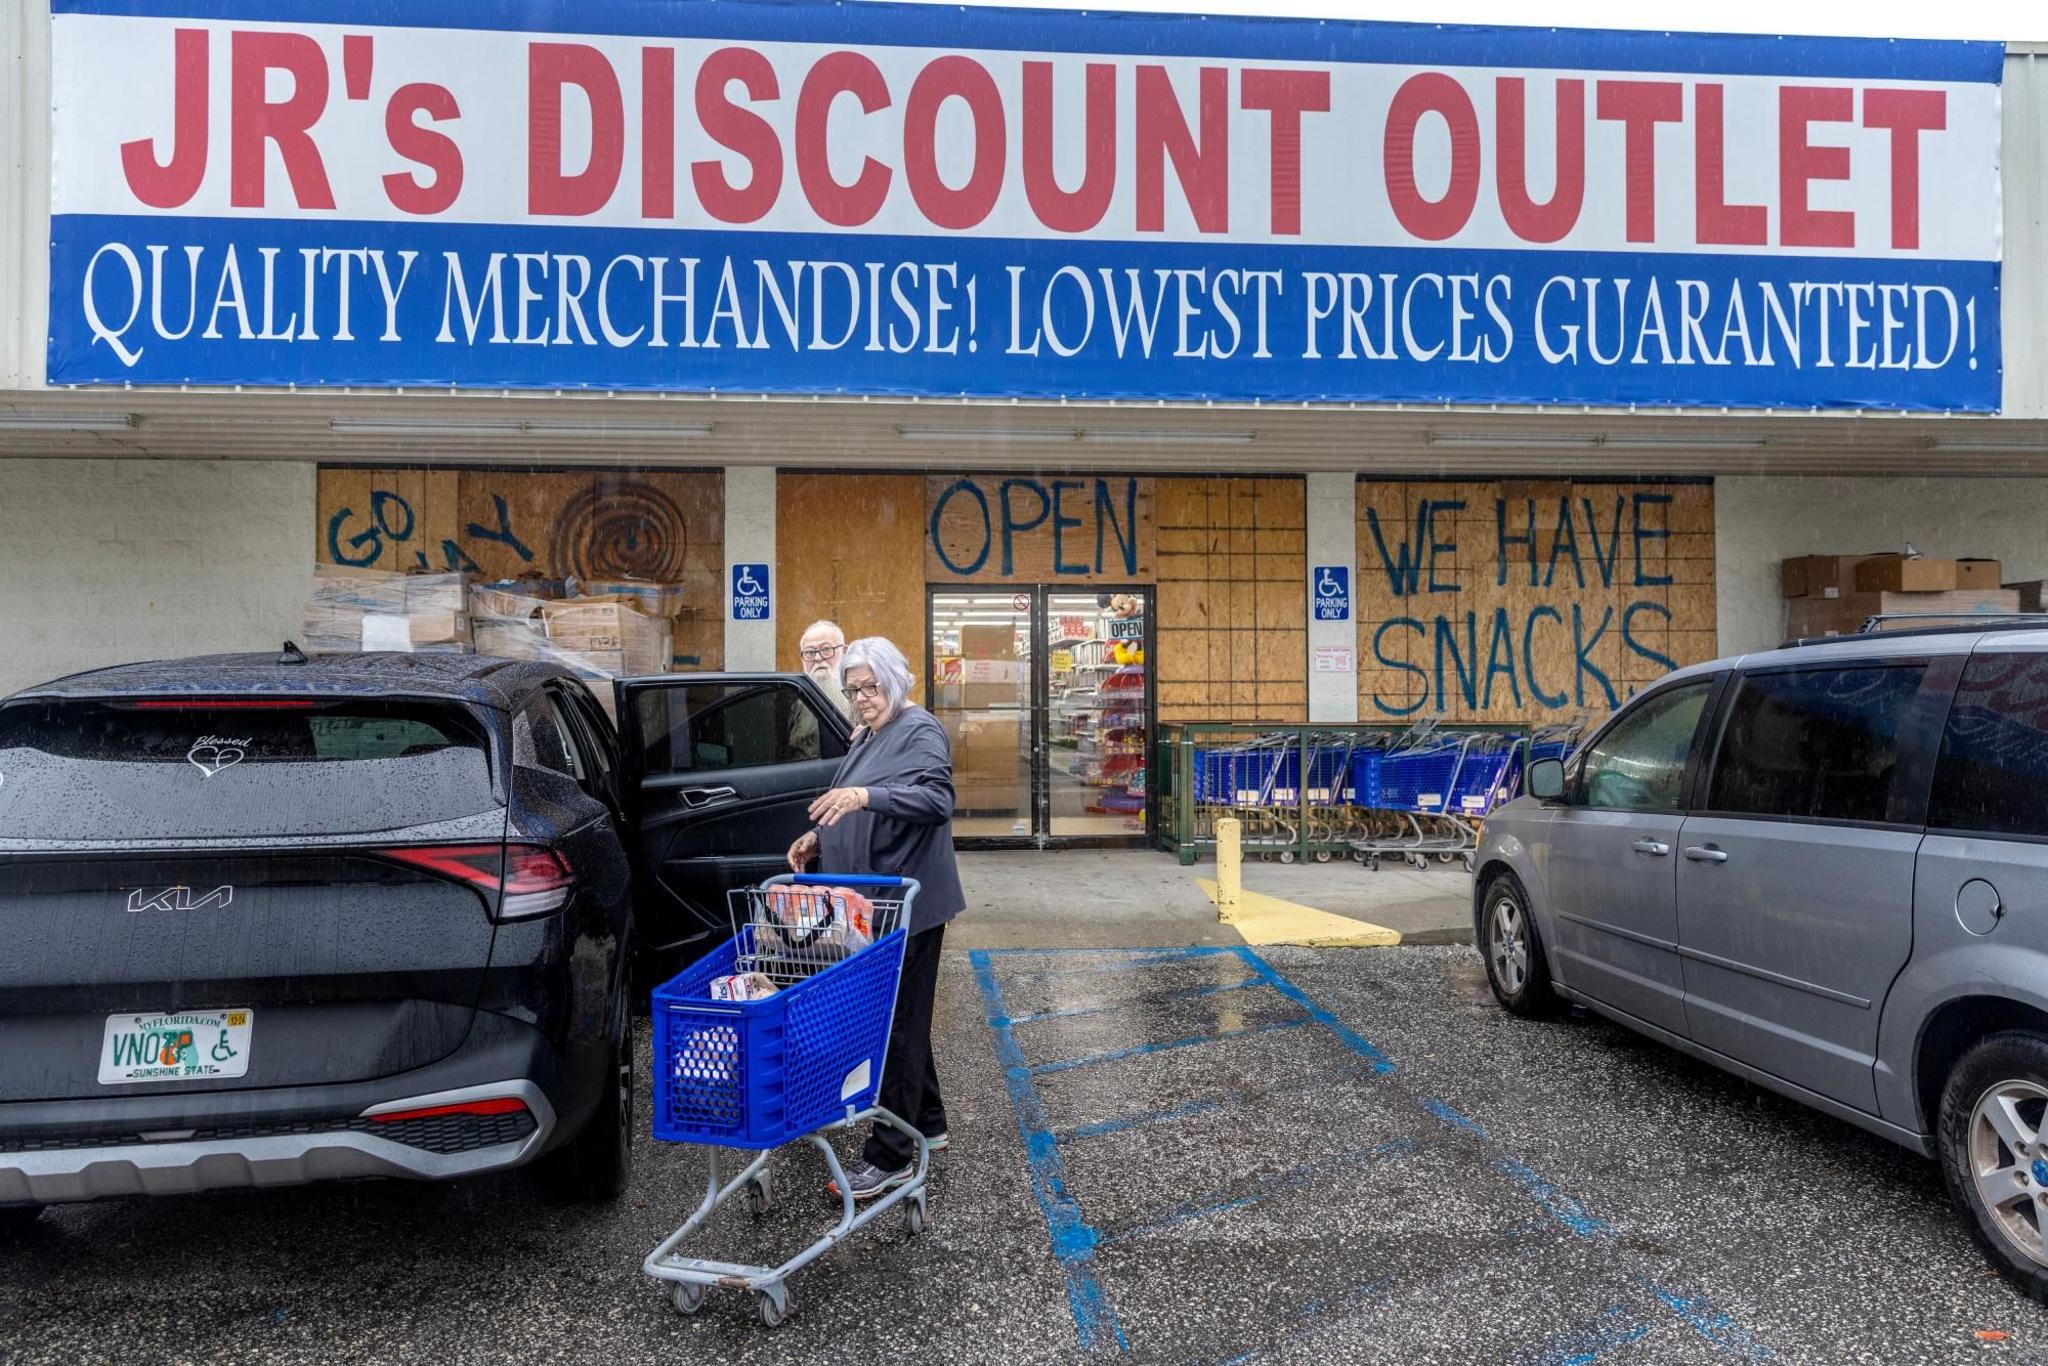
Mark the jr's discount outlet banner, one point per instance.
(896, 199)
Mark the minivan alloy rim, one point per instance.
(1509, 944)
(2008, 1156)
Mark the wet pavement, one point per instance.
(1197, 1154)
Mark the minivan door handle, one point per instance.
(697, 798)
(1654, 848)
(1706, 853)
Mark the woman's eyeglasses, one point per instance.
(864, 692)
(818, 654)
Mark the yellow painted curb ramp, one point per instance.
(1265, 920)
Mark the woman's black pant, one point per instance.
(910, 1081)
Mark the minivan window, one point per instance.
(1814, 744)
(1638, 763)
(164, 768)
(730, 725)
(1992, 776)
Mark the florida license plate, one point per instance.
(192, 1045)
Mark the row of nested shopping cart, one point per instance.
(1416, 795)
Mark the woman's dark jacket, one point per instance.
(907, 828)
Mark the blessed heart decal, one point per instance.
(212, 753)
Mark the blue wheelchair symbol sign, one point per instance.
(1332, 583)
(750, 601)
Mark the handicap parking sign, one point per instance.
(1332, 584)
(750, 592)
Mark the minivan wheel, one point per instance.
(595, 1166)
(1516, 968)
(1994, 1152)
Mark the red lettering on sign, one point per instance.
(1639, 106)
(1058, 209)
(742, 131)
(1716, 221)
(1287, 95)
(1432, 92)
(1800, 163)
(1907, 114)
(1203, 169)
(965, 79)
(549, 190)
(1551, 220)
(658, 132)
(169, 184)
(254, 120)
(434, 151)
(836, 74)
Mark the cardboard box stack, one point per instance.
(597, 636)
(988, 741)
(353, 610)
(1833, 595)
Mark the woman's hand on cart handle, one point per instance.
(804, 852)
(837, 804)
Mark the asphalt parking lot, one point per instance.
(1201, 1154)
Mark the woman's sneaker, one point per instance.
(939, 1141)
(868, 1180)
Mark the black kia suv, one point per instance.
(273, 919)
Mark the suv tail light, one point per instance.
(522, 880)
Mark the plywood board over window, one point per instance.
(1527, 601)
(850, 549)
(1232, 636)
(667, 526)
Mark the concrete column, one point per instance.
(750, 539)
(1332, 539)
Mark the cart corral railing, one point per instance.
(1320, 792)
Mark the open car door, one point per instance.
(719, 772)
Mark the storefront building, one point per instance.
(1125, 371)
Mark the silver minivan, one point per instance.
(1823, 868)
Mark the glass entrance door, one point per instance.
(1047, 696)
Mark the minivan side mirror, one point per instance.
(1545, 780)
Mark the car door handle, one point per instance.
(697, 798)
(1706, 853)
(1654, 848)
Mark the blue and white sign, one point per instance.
(882, 199)
(750, 597)
(1332, 585)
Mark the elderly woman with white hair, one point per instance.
(890, 812)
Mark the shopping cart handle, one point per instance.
(848, 880)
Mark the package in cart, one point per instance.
(742, 986)
(816, 920)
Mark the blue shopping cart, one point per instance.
(820, 956)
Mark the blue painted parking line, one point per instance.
(1293, 1179)
(1110, 960)
(1715, 1327)
(1169, 1045)
(1558, 1205)
(1355, 1042)
(1073, 1241)
(1102, 1007)
(1117, 1126)
(1315, 1081)
(1614, 1328)
(1076, 1243)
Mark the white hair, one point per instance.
(891, 670)
(822, 625)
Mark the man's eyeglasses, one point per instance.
(863, 692)
(818, 654)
